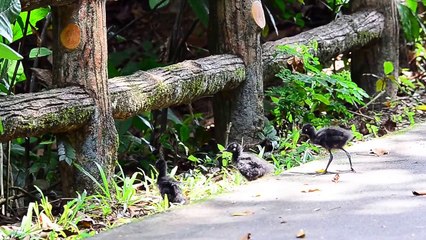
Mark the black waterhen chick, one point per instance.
(168, 187)
(329, 138)
(249, 164)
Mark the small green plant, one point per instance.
(373, 129)
(357, 135)
(224, 156)
(197, 185)
(1, 127)
(64, 226)
(337, 5)
(290, 153)
(313, 96)
(410, 115)
(405, 85)
(115, 193)
(269, 134)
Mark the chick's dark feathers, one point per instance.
(329, 138)
(168, 187)
(250, 165)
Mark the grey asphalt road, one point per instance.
(376, 202)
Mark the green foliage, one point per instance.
(65, 151)
(388, 67)
(9, 11)
(337, 5)
(26, 229)
(201, 10)
(357, 135)
(198, 185)
(315, 96)
(35, 16)
(12, 24)
(153, 4)
(405, 85)
(410, 115)
(7, 52)
(312, 96)
(1, 127)
(373, 129)
(40, 52)
(184, 136)
(64, 226)
(286, 12)
(224, 156)
(119, 192)
(290, 153)
(269, 133)
(411, 24)
(133, 59)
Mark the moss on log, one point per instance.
(57, 110)
(175, 84)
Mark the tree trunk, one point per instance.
(234, 31)
(80, 58)
(370, 59)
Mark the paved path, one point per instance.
(374, 203)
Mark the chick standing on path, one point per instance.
(329, 138)
(249, 164)
(168, 187)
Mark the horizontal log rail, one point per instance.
(65, 109)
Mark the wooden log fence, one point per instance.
(65, 109)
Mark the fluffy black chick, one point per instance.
(250, 166)
(167, 185)
(329, 138)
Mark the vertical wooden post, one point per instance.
(80, 58)
(234, 31)
(370, 59)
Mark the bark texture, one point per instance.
(370, 59)
(176, 84)
(61, 110)
(235, 31)
(80, 58)
(57, 110)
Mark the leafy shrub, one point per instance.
(313, 96)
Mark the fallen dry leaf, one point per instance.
(336, 178)
(296, 64)
(421, 107)
(300, 234)
(379, 151)
(243, 213)
(311, 190)
(246, 236)
(320, 171)
(47, 224)
(417, 193)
